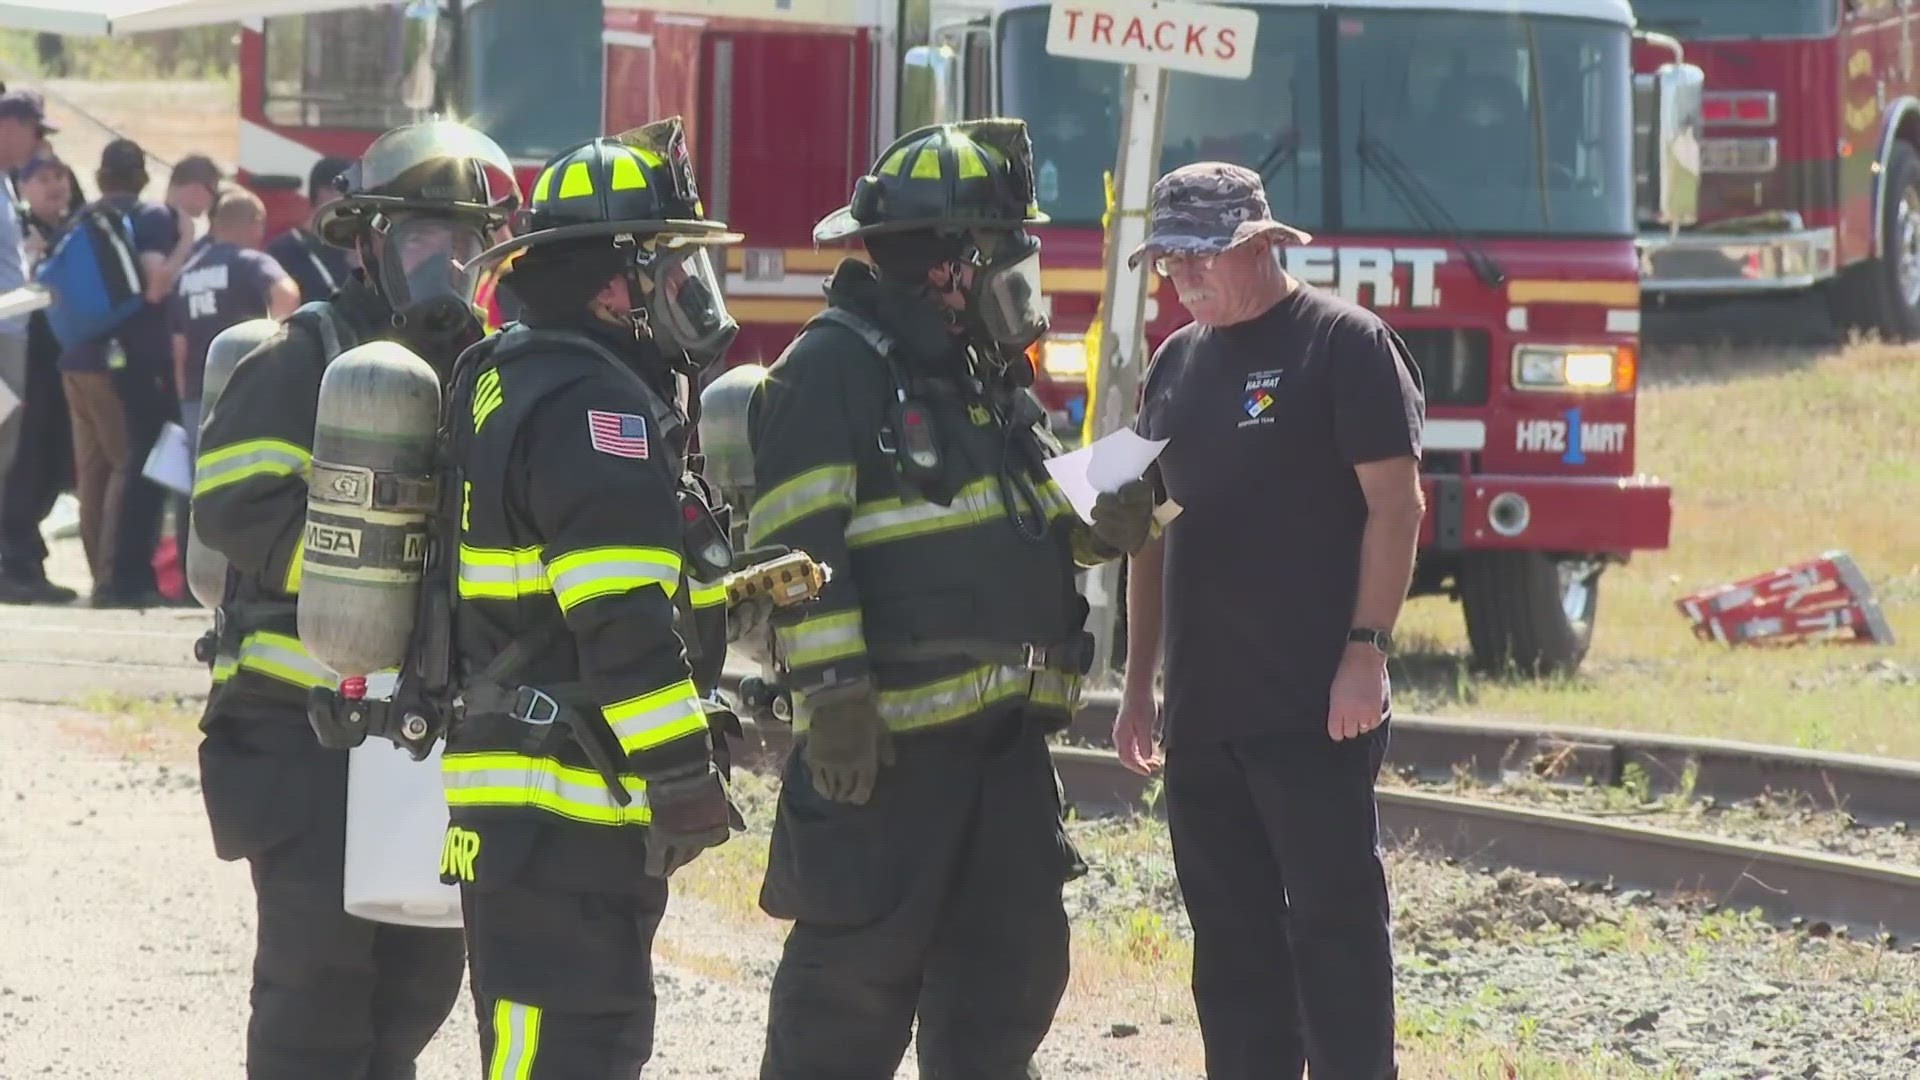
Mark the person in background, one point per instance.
(318, 268)
(43, 467)
(1276, 699)
(227, 280)
(119, 389)
(23, 125)
(193, 188)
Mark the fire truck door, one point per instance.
(784, 121)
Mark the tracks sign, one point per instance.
(1205, 39)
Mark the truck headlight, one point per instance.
(1064, 357)
(1576, 369)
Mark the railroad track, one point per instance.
(1783, 883)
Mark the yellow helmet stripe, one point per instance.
(973, 163)
(926, 165)
(627, 173)
(895, 161)
(541, 185)
(576, 181)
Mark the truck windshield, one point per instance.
(1514, 125)
(533, 74)
(1706, 20)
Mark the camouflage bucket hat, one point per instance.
(1207, 208)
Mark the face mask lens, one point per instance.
(426, 260)
(687, 302)
(1009, 301)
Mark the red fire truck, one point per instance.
(1811, 161)
(1467, 166)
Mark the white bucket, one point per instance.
(396, 827)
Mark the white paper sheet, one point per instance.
(170, 463)
(1103, 465)
(9, 402)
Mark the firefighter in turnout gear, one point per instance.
(334, 996)
(581, 771)
(919, 846)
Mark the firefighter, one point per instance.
(581, 773)
(918, 845)
(333, 995)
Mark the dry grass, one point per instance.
(1772, 462)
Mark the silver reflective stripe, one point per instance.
(210, 474)
(630, 728)
(816, 641)
(505, 779)
(894, 519)
(954, 698)
(612, 575)
(516, 1040)
(823, 488)
(281, 657)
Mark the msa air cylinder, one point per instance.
(207, 568)
(723, 434)
(368, 502)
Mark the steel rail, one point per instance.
(1876, 791)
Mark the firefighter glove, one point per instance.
(1123, 519)
(847, 742)
(750, 628)
(691, 812)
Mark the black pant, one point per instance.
(1275, 841)
(561, 978)
(43, 464)
(147, 400)
(940, 896)
(335, 997)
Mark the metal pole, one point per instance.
(1123, 339)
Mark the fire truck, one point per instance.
(1811, 159)
(1467, 166)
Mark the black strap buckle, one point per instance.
(532, 705)
(1036, 657)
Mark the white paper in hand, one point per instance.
(170, 462)
(1103, 465)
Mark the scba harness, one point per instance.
(435, 690)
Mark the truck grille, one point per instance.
(1453, 364)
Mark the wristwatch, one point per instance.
(1379, 639)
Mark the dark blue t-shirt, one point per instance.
(317, 267)
(221, 284)
(1265, 421)
(143, 339)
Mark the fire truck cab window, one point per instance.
(363, 68)
(1705, 20)
(533, 74)
(1268, 121)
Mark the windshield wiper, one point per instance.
(1419, 200)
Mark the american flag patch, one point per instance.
(617, 433)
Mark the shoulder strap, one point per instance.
(520, 339)
(335, 333)
(861, 327)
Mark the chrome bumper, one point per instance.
(1734, 262)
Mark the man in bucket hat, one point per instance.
(1275, 712)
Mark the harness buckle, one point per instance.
(532, 705)
(1035, 657)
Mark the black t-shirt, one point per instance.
(1266, 420)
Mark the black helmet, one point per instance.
(436, 166)
(976, 174)
(628, 204)
(635, 185)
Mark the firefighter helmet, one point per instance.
(435, 166)
(975, 174)
(638, 184)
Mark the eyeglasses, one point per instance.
(1165, 264)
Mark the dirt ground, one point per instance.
(127, 945)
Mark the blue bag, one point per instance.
(94, 277)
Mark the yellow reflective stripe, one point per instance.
(1054, 501)
(516, 1039)
(543, 185)
(926, 164)
(487, 396)
(580, 576)
(884, 520)
(956, 697)
(627, 173)
(576, 181)
(224, 667)
(828, 487)
(655, 719)
(282, 657)
(821, 639)
(894, 162)
(1056, 689)
(502, 779)
(291, 586)
(235, 462)
(702, 595)
(972, 163)
(501, 573)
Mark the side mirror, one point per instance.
(1667, 125)
(929, 79)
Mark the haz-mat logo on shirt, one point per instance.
(1258, 402)
(1259, 397)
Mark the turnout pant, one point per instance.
(939, 897)
(1276, 844)
(562, 979)
(334, 997)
